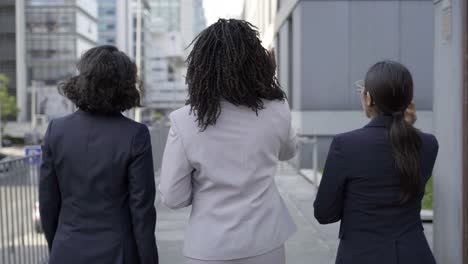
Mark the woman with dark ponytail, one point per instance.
(374, 177)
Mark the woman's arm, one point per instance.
(142, 192)
(328, 204)
(49, 192)
(289, 147)
(176, 183)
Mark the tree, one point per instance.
(8, 109)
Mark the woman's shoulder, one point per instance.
(429, 141)
(182, 114)
(278, 108)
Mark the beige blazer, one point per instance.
(227, 174)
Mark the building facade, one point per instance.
(262, 14)
(58, 32)
(107, 22)
(12, 49)
(8, 42)
(175, 24)
(323, 47)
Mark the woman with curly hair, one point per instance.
(223, 150)
(97, 187)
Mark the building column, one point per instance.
(21, 83)
(465, 135)
(448, 123)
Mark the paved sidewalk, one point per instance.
(312, 244)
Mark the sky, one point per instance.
(214, 9)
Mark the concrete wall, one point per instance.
(448, 129)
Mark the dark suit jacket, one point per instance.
(97, 191)
(361, 188)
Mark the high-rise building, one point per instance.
(199, 19)
(8, 42)
(12, 48)
(141, 52)
(58, 32)
(192, 19)
(107, 22)
(175, 24)
(168, 14)
(115, 24)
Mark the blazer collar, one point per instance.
(79, 111)
(380, 121)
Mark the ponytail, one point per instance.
(406, 144)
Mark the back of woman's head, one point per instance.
(228, 62)
(106, 82)
(390, 86)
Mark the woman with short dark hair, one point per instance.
(97, 187)
(223, 150)
(374, 177)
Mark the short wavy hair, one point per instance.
(107, 82)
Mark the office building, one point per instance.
(8, 42)
(142, 51)
(12, 48)
(57, 34)
(115, 24)
(185, 16)
(176, 23)
(323, 47)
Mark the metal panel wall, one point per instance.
(417, 47)
(325, 43)
(342, 39)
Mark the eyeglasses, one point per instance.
(360, 86)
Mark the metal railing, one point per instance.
(311, 140)
(21, 238)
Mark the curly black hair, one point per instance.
(228, 62)
(106, 83)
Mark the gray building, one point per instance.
(57, 33)
(175, 23)
(324, 47)
(115, 24)
(8, 42)
(451, 129)
(12, 48)
(107, 22)
(169, 12)
(199, 20)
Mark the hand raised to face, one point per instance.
(410, 114)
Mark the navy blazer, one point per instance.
(97, 191)
(361, 188)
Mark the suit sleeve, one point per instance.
(328, 205)
(289, 147)
(176, 182)
(142, 192)
(49, 191)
